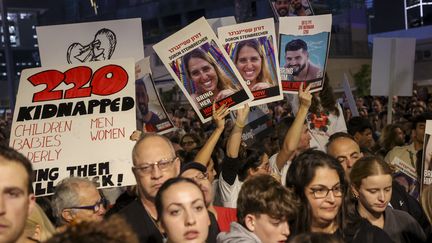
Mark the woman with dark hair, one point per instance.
(208, 78)
(252, 65)
(319, 181)
(182, 213)
(371, 184)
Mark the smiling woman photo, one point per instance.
(209, 80)
(252, 65)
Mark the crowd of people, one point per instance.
(318, 174)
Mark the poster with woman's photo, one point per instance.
(251, 47)
(286, 8)
(426, 170)
(202, 69)
(303, 50)
(151, 115)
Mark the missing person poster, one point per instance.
(76, 120)
(285, 8)
(202, 69)
(251, 47)
(426, 170)
(89, 42)
(303, 50)
(151, 115)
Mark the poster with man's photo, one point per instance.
(286, 8)
(151, 114)
(202, 69)
(252, 48)
(303, 50)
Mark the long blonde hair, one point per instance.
(38, 218)
(426, 202)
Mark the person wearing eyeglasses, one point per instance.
(219, 216)
(319, 181)
(154, 162)
(77, 199)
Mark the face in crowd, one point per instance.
(182, 212)
(202, 179)
(346, 151)
(203, 74)
(324, 194)
(16, 201)
(372, 185)
(91, 206)
(249, 63)
(282, 7)
(154, 162)
(296, 60)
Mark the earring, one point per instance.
(356, 196)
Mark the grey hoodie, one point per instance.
(237, 234)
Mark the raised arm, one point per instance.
(292, 138)
(204, 155)
(234, 140)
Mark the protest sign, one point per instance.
(426, 170)
(303, 50)
(285, 8)
(92, 41)
(349, 96)
(202, 69)
(75, 120)
(151, 114)
(219, 22)
(251, 47)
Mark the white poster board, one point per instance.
(393, 66)
(202, 69)
(75, 120)
(252, 48)
(349, 96)
(219, 22)
(303, 50)
(93, 41)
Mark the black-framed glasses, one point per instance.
(147, 168)
(322, 192)
(95, 207)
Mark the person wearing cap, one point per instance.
(199, 174)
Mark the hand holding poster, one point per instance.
(202, 69)
(304, 44)
(151, 114)
(76, 120)
(251, 47)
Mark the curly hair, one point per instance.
(114, 230)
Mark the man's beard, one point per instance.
(296, 71)
(283, 11)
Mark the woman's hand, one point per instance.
(242, 115)
(260, 86)
(224, 93)
(219, 115)
(305, 97)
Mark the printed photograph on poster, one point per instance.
(91, 41)
(286, 8)
(406, 176)
(303, 50)
(202, 69)
(75, 120)
(251, 46)
(150, 112)
(426, 170)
